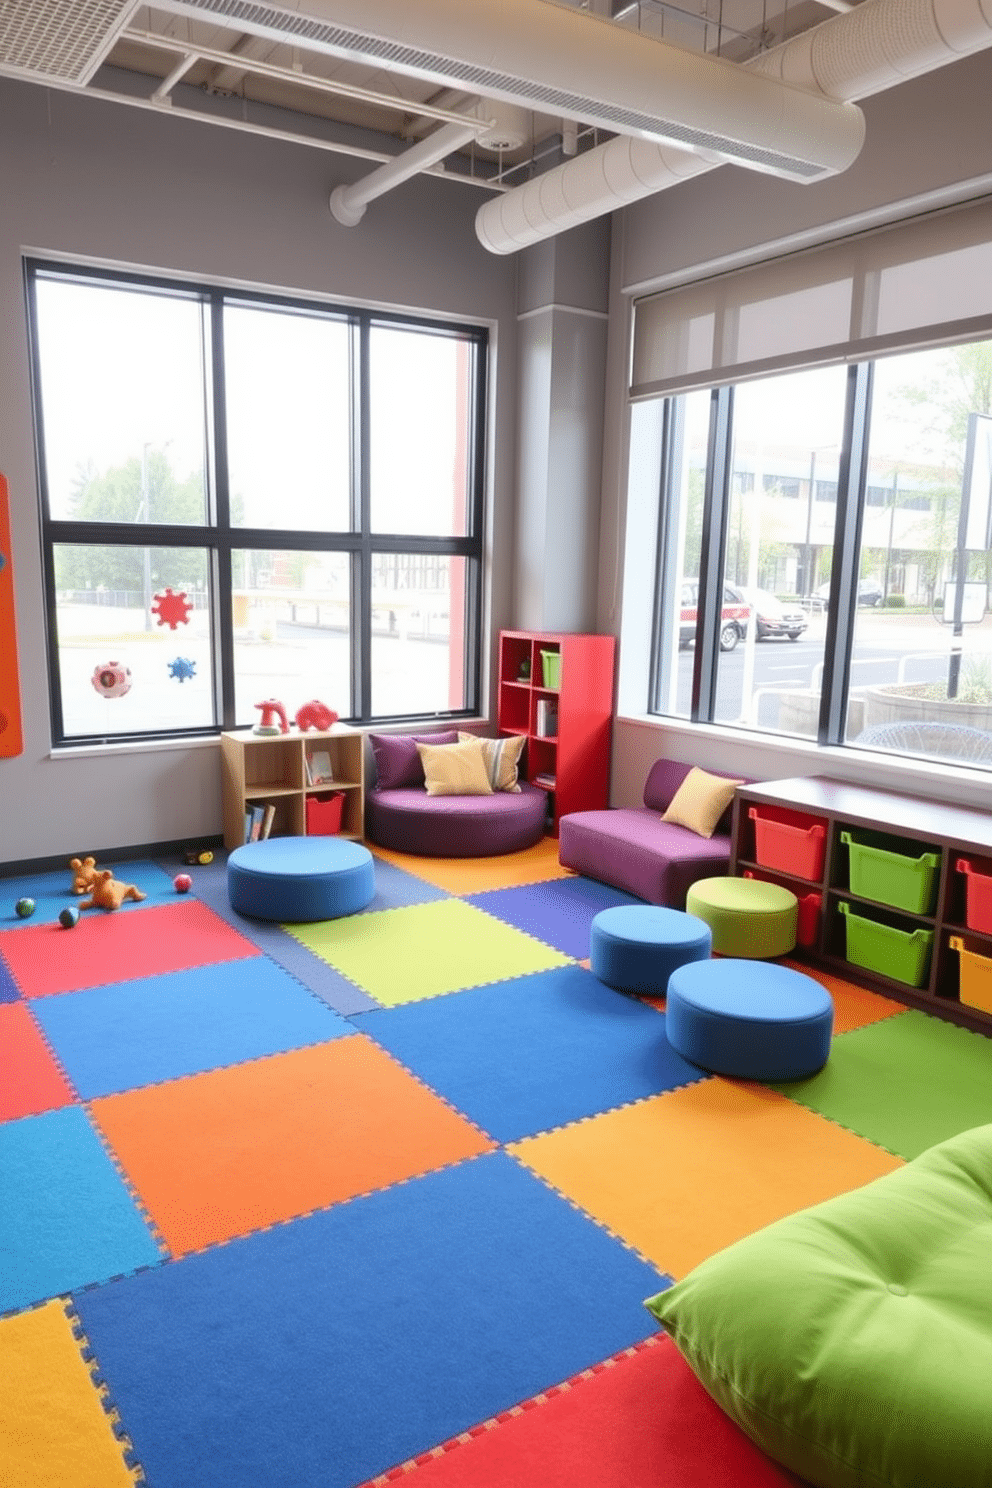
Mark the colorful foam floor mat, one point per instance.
(381, 1199)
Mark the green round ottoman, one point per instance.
(746, 916)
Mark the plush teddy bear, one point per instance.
(84, 873)
(108, 893)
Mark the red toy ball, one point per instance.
(182, 883)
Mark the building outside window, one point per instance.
(836, 494)
(245, 497)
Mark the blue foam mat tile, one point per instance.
(66, 1217)
(322, 980)
(9, 991)
(139, 1032)
(328, 1350)
(52, 891)
(522, 1056)
(558, 911)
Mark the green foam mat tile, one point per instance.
(423, 950)
(905, 1083)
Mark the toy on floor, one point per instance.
(69, 917)
(24, 908)
(315, 714)
(271, 709)
(83, 874)
(109, 893)
(182, 883)
(195, 855)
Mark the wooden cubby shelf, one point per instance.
(271, 769)
(556, 690)
(877, 878)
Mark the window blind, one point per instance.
(924, 279)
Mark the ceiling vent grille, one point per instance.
(289, 26)
(64, 42)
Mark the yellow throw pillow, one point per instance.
(700, 801)
(502, 757)
(455, 769)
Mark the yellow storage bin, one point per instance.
(975, 982)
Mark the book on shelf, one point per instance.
(319, 771)
(255, 816)
(545, 781)
(268, 818)
(547, 718)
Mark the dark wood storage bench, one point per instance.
(895, 893)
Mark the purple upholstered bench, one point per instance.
(399, 813)
(633, 849)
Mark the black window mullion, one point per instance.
(842, 604)
(664, 629)
(716, 503)
(361, 495)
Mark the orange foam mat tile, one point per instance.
(638, 1420)
(854, 1007)
(684, 1174)
(31, 1081)
(54, 1430)
(221, 1154)
(475, 875)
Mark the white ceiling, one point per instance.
(149, 56)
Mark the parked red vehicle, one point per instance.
(734, 615)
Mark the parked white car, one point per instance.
(774, 618)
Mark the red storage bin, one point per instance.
(324, 814)
(789, 841)
(808, 919)
(978, 897)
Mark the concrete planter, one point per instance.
(799, 714)
(910, 704)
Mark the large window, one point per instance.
(246, 497)
(824, 555)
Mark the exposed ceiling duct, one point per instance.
(572, 65)
(851, 56)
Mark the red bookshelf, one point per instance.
(557, 690)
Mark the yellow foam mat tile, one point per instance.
(54, 1431)
(475, 875)
(682, 1175)
(422, 950)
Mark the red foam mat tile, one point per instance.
(640, 1420)
(119, 945)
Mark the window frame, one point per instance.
(221, 539)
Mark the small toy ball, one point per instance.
(69, 917)
(25, 908)
(182, 883)
(205, 858)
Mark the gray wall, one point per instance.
(927, 145)
(81, 178)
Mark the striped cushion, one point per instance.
(501, 757)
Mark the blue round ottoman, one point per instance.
(752, 1020)
(636, 947)
(300, 879)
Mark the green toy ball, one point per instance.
(25, 907)
(69, 917)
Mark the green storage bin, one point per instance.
(903, 955)
(551, 668)
(892, 878)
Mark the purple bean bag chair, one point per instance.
(633, 849)
(399, 813)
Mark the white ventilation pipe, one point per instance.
(567, 64)
(348, 203)
(852, 56)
